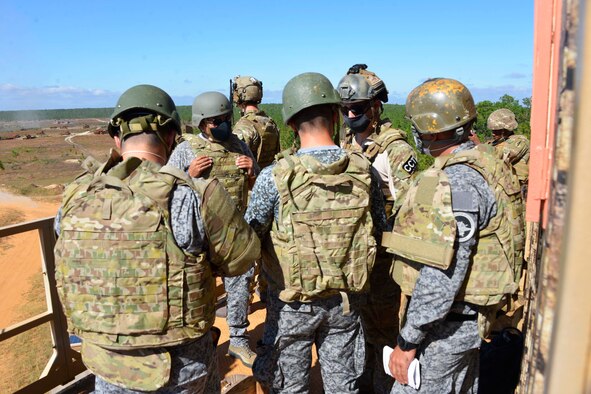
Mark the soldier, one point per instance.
(319, 205)
(255, 127)
(258, 131)
(509, 146)
(458, 241)
(217, 152)
(362, 97)
(138, 246)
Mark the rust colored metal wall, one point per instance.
(558, 320)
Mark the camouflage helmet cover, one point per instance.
(142, 100)
(502, 119)
(307, 90)
(439, 105)
(247, 89)
(209, 105)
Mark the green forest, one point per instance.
(395, 112)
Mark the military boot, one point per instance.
(243, 353)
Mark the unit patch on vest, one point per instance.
(466, 226)
(410, 165)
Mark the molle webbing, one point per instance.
(425, 227)
(269, 137)
(383, 140)
(322, 237)
(123, 281)
(496, 266)
(224, 167)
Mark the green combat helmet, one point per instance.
(247, 90)
(144, 100)
(307, 90)
(209, 105)
(502, 119)
(362, 84)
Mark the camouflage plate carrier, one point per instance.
(515, 150)
(224, 155)
(387, 141)
(258, 123)
(122, 280)
(323, 235)
(425, 230)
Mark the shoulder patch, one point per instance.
(410, 165)
(466, 226)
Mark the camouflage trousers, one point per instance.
(449, 358)
(194, 369)
(238, 301)
(379, 317)
(338, 339)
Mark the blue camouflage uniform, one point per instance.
(447, 330)
(284, 353)
(237, 287)
(194, 366)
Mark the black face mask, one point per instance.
(358, 124)
(222, 131)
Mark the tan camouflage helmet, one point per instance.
(247, 89)
(502, 119)
(439, 105)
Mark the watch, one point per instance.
(404, 345)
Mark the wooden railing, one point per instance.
(64, 363)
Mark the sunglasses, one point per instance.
(217, 121)
(356, 109)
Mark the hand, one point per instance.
(246, 163)
(199, 165)
(399, 363)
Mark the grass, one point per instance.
(26, 355)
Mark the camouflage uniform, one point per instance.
(515, 149)
(292, 327)
(190, 367)
(395, 162)
(237, 287)
(445, 329)
(261, 134)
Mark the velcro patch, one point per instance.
(466, 226)
(410, 165)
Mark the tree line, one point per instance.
(395, 112)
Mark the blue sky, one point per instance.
(76, 54)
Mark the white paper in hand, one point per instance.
(414, 374)
(386, 359)
(414, 369)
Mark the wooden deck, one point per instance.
(229, 366)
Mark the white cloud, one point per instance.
(14, 97)
(515, 75)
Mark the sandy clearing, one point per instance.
(22, 259)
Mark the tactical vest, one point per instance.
(268, 132)
(380, 143)
(425, 230)
(224, 155)
(122, 280)
(515, 150)
(323, 235)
